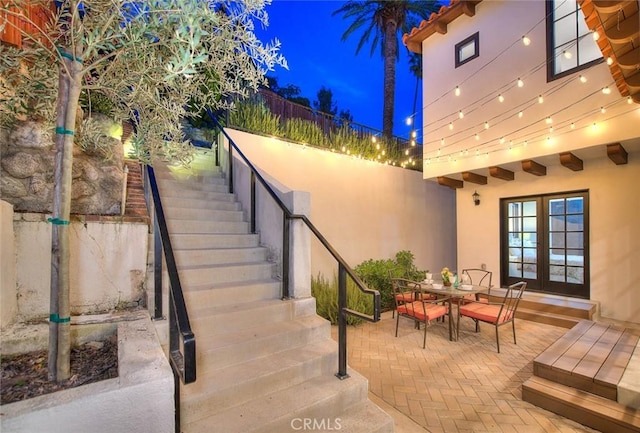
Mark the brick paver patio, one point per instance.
(456, 386)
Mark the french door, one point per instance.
(545, 242)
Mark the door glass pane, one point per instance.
(557, 256)
(529, 224)
(529, 255)
(575, 240)
(556, 240)
(575, 205)
(556, 207)
(529, 208)
(575, 223)
(565, 30)
(530, 270)
(515, 270)
(515, 239)
(562, 8)
(556, 223)
(575, 275)
(514, 209)
(575, 257)
(556, 273)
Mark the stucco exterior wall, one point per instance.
(107, 265)
(614, 233)
(365, 210)
(8, 295)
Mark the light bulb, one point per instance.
(540, 99)
(603, 110)
(583, 79)
(377, 146)
(442, 142)
(477, 136)
(413, 143)
(525, 143)
(414, 133)
(406, 152)
(551, 129)
(520, 114)
(457, 91)
(500, 98)
(609, 61)
(526, 41)
(344, 149)
(451, 125)
(409, 120)
(629, 100)
(520, 82)
(606, 90)
(486, 125)
(573, 125)
(596, 35)
(549, 120)
(373, 138)
(501, 140)
(567, 54)
(461, 114)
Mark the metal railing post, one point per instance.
(157, 270)
(230, 168)
(342, 323)
(253, 202)
(285, 256)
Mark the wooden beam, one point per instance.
(571, 161)
(501, 173)
(468, 176)
(450, 182)
(532, 167)
(617, 153)
(469, 9)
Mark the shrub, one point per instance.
(326, 294)
(376, 274)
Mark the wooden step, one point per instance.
(560, 320)
(591, 357)
(596, 412)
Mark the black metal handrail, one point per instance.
(343, 267)
(183, 362)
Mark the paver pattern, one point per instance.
(456, 386)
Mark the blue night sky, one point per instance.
(311, 42)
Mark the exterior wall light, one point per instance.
(476, 198)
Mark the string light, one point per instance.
(486, 125)
(457, 91)
(413, 143)
(461, 114)
(520, 114)
(603, 110)
(451, 126)
(606, 90)
(500, 97)
(609, 61)
(573, 125)
(477, 136)
(526, 41)
(501, 140)
(441, 143)
(409, 121)
(629, 100)
(596, 35)
(583, 79)
(549, 120)
(520, 82)
(373, 139)
(540, 99)
(551, 129)
(414, 133)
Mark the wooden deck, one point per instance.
(578, 375)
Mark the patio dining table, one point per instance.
(451, 293)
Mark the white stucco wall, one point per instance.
(107, 265)
(8, 295)
(365, 210)
(614, 233)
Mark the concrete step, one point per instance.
(202, 256)
(168, 193)
(225, 273)
(324, 398)
(205, 240)
(200, 203)
(207, 321)
(180, 226)
(261, 340)
(173, 184)
(228, 293)
(238, 384)
(180, 213)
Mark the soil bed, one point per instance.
(26, 375)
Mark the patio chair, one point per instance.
(477, 277)
(406, 292)
(423, 310)
(494, 313)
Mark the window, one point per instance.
(570, 46)
(545, 242)
(468, 49)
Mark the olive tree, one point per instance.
(157, 62)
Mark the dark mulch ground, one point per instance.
(25, 376)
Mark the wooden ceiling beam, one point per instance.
(450, 182)
(617, 153)
(532, 167)
(571, 161)
(501, 173)
(468, 176)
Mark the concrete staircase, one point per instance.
(263, 364)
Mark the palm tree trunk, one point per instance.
(390, 54)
